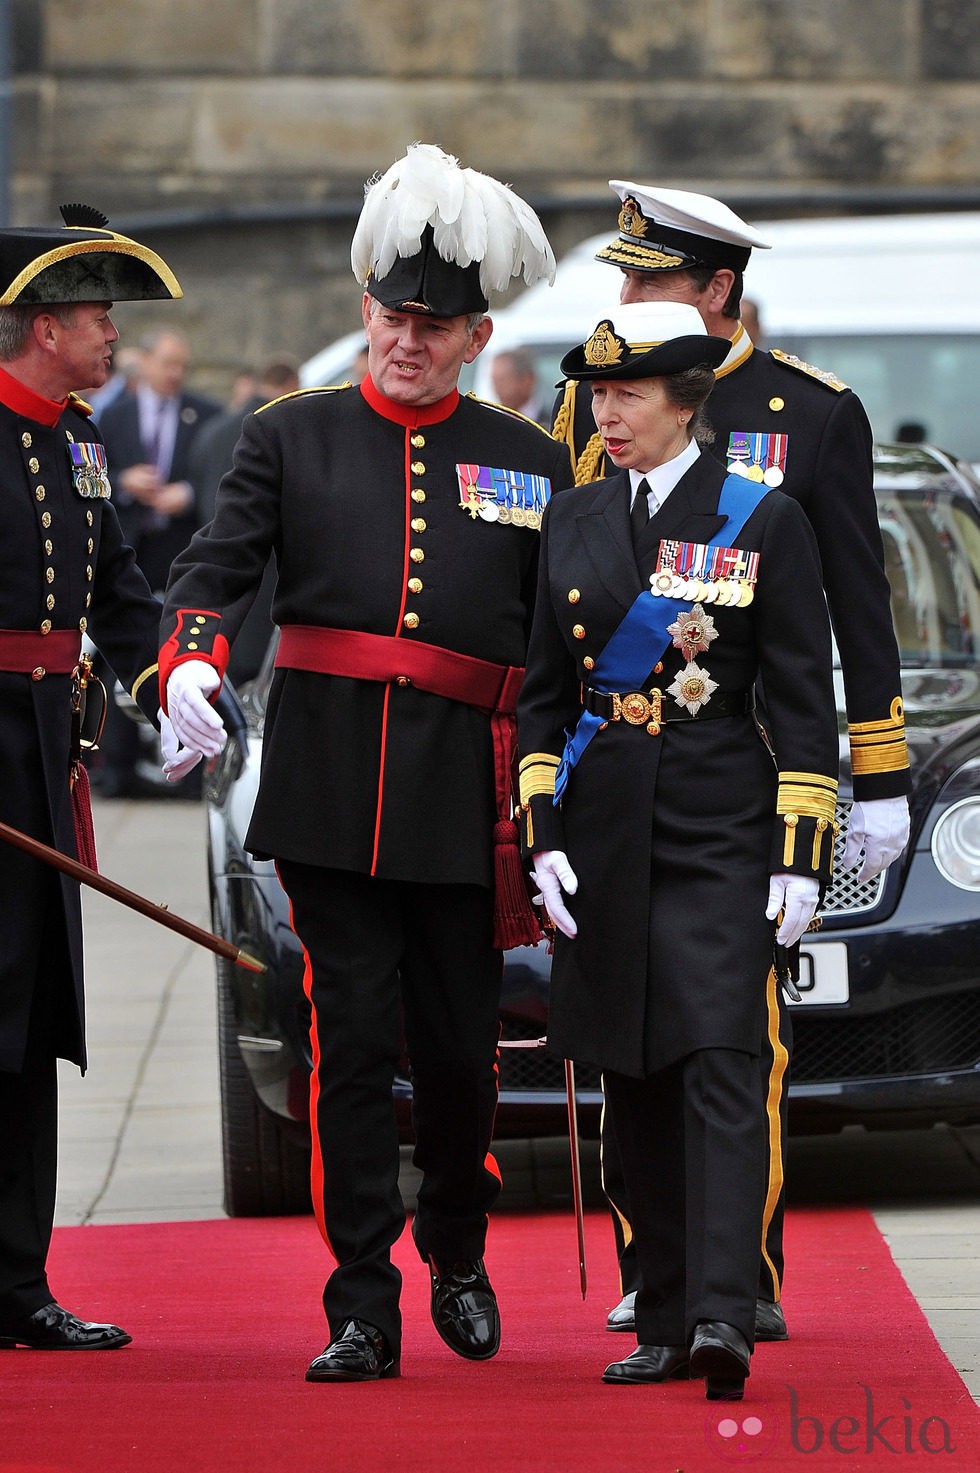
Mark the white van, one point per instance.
(889, 303)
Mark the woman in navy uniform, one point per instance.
(404, 522)
(668, 820)
(799, 428)
(65, 571)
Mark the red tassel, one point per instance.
(515, 920)
(81, 803)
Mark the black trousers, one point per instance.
(774, 1084)
(371, 945)
(28, 1170)
(692, 1142)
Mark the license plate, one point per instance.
(823, 975)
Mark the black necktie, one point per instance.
(640, 514)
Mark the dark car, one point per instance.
(888, 1031)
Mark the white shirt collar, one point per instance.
(663, 478)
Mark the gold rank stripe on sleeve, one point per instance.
(879, 746)
(537, 775)
(144, 675)
(806, 795)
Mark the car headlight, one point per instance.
(956, 844)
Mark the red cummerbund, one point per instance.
(25, 650)
(361, 656)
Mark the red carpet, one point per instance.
(226, 1315)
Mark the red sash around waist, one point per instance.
(361, 656)
(25, 650)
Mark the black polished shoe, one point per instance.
(359, 1353)
(770, 1323)
(464, 1309)
(720, 1354)
(623, 1317)
(54, 1328)
(649, 1363)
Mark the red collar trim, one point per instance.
(22, 400)
(408, 415)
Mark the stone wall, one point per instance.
(236, 134)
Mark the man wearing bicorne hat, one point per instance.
(404, 521)
(789, 425)
(65, 571)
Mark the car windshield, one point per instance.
(932, 557)
(915, 386)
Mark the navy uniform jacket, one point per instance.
(360, 507)
(673, 836)
(63, 565)
(828, 470)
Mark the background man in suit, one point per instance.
(149, 437)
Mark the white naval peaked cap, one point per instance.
(675, 229)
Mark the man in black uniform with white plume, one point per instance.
(784, 423)
(404, 523)
(64, 571)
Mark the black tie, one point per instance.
(640, 513)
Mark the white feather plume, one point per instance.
(473, 218)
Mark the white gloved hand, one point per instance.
(196, 722)
(879, 826)
(177, 761)
(552, 874)
(796, 896)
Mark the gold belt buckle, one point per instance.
(636, 709)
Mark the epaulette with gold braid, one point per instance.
(301, 393)
(822, 375)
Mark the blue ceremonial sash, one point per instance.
(639, 641)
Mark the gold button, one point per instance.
(573, 595)
(192, 646)
(195, 629)
(88, 572)
(418, 524)
(46, 626)
(417, 493)
(88, 517)
(415, 585)
(589, 663)
(402, 680)
(69, 437)
(411, 621)
(33, 465)
(91, 545)
(48, 546)
(45, 519)
(38, 673)
(777, 403)
(39, 493)
(26, 440)
(83, 623)
(653, 727)
(49, 574)
(88, 599)
(49, 601)
(418, 441)
(418, 468)
(417, 555)
(658, 667)
(578, 631)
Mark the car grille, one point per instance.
(845, 895)
(534, 1070)
(921, 1038)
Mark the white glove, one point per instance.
(177, 761)
(552, 874)
(879, 826)
(196, 722)
(796, 896)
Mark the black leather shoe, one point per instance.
(720, 1354)
(649, 1363)
(623, 1317)
(54, 1328)
(464, 1309)
(359, 1353)
(770, 1323)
